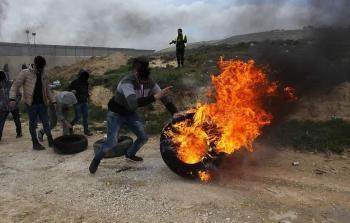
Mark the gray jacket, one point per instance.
(131, 94)
(64, 100)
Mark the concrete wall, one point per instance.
(16, 54)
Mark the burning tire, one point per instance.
(70, 144)
(168, 150)
(124, 143)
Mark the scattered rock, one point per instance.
(320, 172)
(295, 163)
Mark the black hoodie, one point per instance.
(81, 86)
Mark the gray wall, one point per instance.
(16, 54)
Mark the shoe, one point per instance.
(50, 141)
(19, 135)
(40, 135)
(133, 158)
(38, 146)
(94, 165)
(88, 133)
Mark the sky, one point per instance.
(153, 24)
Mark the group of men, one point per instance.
(136, 89)
(41, 102)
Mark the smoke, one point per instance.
(3, 4)
(150, 24)
(153, 24)
(328, 13)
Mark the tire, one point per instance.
(190, 171)
(70, 144)
(124, 143)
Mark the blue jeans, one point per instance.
(81, 108)
(114, 123)
(35, 111)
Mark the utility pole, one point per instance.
(27, 32)
(34, 34)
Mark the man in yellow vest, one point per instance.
(180, 42)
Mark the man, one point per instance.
(36, 96)
(64, 101)
(134, 90)
(7, 71)
(80, 87)
(5, 86)
(180, 42)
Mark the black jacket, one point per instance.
(81, 86)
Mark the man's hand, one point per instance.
(67, 124)
(12, 105)
(54, 106)
(164, 92)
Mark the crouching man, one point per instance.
(134, 90)
(65, 101)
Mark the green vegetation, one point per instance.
(97, 113)
(333, 135)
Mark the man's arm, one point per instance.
(50, 94)
(72, 85)
(59, 112)
(165, 100)
(130, 95)
(14, 91)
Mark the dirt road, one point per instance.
(41, 186)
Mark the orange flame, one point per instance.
(204, 176)
(290, 93)
(233, 121)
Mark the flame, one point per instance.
(235, 118)
(290, 93)
(204, 176)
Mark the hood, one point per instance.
(67, 98)
(83, 75)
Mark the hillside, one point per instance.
(95, 65)
(251, 37)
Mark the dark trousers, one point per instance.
(114, 123)
(35, 111)
(180, 54)
(16, 119)
(81, 108)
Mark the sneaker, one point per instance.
(38, 146)
(94, 165)
(40, 135)
(87, 133)
(50, 141)
(133, 158)
(19, 135)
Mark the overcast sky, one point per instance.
(152, 24)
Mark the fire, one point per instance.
(290, 93)
(233, 121)
(204, 176)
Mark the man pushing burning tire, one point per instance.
(134, 90)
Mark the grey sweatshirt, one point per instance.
(130, 94)
(64, 99)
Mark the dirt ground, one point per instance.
(42, 186)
